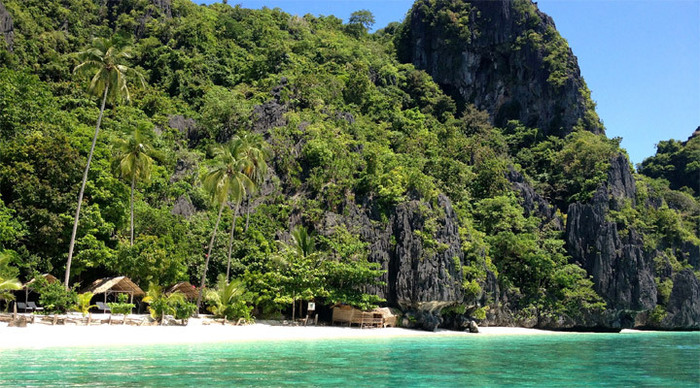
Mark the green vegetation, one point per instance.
(676, 162)
(303, 121)
(121, 306)
(161, 304)
(8, 280)
(83, 303)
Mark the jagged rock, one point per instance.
(118, 7)
(423, 269)
(492, 63)
(188, 127)
(473, 327)
(183, 207)
(683, 309)
(622, 272)
(532, 202)
(6, 26)
(269, 115)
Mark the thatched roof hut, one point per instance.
(27, 287)
(118, 285)
(49, 278)
(186, 288)
(379, 317)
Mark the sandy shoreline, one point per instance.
(39, 336)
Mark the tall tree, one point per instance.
(256, 150)
(133, 162)
(105, 61)
(251, 151)
(223, 182)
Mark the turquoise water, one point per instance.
(634, 360)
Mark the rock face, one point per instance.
(183, 207)
(118, 7)
(622, 272)
(6, 26)
(420, 248)
(505, 57)
(684, 303)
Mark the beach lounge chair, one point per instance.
(32, 306)
(21, 306)
(104, 307)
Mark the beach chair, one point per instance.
(32, 306)
(22, 306)
(104, 307)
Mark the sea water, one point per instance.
(616, 360)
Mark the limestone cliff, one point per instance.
(621, 270)
(6, 26)
(505, 57)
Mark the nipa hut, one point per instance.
(27, 287)
(118, 285)
(186, 288)
(379, 317)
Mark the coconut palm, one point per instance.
(256, 151)
(8, 282)
(228, 299)
(133, 162)
(105, 63)
(223, 182)
(251, 151)
(161, 304)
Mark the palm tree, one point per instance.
(250, 150)
(256, 151)
(133, 162)
(105, 62)
(8, 282)
(161, 304)
(224, 181)
(228, 299)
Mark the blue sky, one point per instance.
(640, 58)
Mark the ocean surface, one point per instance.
(565, 360)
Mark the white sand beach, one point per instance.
(43, 336)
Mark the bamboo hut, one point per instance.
(186, 288)
(379, 317)
(27, 286)
(112, 286)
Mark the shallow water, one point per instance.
(638, 359)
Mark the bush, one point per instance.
(54, 297)
(122, 306)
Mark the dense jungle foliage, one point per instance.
(343, 123)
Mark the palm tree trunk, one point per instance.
(230, 242)
(206, 262)
(247, 212)
(133, 183)
(82, 188)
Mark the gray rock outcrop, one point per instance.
(622, 271)
(183, 207)
(419, 248)
(683, 309)
(507, 59)
(6, 26)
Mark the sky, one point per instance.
(640, 58)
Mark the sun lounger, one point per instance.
(32, 306)
(104, 307)
(22, 306)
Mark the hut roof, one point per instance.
(49, 278)
(118, 284)
(186, 288)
